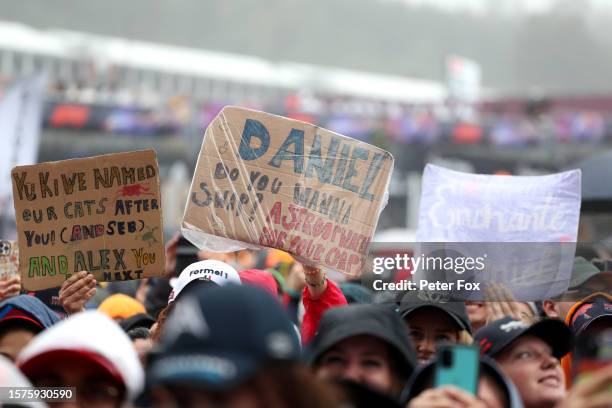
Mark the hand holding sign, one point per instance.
(76, 291)
(10, 287)
(267, 181)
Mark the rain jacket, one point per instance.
(314, 308)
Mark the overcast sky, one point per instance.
(508, 6)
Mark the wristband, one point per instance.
(317, 284)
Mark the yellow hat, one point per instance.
(120, 306)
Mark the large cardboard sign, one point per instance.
(100, 214)
(268, 181)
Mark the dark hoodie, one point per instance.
(34, 310)
(423, 379)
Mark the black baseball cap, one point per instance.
(455, 310)
(498, 335)
(136, 321)
(344, 322)
(219, 337)
(594, 308)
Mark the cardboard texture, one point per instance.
(266, 181)
(9, 259)
(100, 214)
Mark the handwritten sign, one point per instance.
(462, 207)
(267, 181)
(524, 228)
(100, 214)
(9, 259)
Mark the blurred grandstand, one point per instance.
(108, 94)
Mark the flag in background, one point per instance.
(20, 128)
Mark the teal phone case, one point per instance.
(461, 370)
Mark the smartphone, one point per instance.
(458, 365)
(186, 254)
(9, 259)
(592, 353)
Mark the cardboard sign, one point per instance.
(268, 181)
(100, 214)
(9, 259)
(462, 207)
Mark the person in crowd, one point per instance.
(482, 312)
(119, 307)
(495, 390)
(10, 287)
(138, 329)
(593, 392)
(247, 259)
(499, 302)
(293, 288)
(231, 347)
(319, 294)
(592, 315)
(279, 260)
(260, 278)
(356, 293)
(76, 291)
(585, 280)
(588, 318)
(530, 356)
(140, 320)
(365, 344)
(21, 318)
(141, 340)
(201, 273)
(11, 377)
(88, 351)
(429, 323)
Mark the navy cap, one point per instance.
(455, 310)
(219, 337)
(498, 335)
(594, 308)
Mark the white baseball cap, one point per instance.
(210, 270)
(10, 376)
(89, 335)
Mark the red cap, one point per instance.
(52, 358)
(16, 314)
(261, 279)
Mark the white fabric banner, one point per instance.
(462, 207)
(20, 128)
